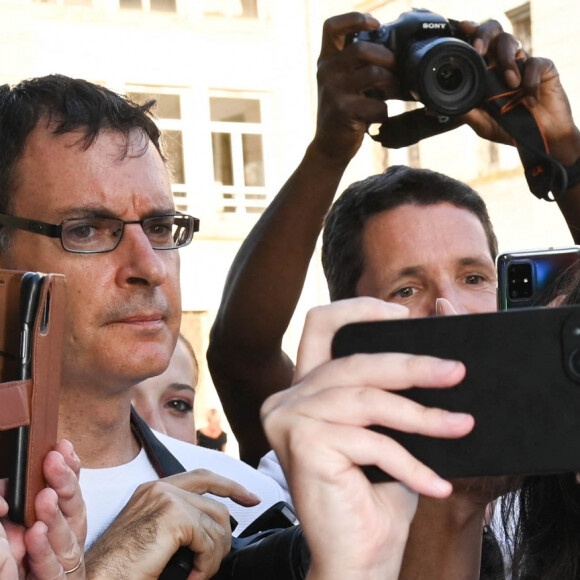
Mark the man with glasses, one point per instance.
(84, 191)
(97, 235)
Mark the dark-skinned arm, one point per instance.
(265, 281)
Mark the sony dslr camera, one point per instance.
(436, 65)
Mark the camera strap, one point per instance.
(162, 460)
(546, 177)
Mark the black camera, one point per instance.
(435, 63)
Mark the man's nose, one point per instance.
(140, 263)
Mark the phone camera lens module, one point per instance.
(520, 280)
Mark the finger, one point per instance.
(392, 370)
(366, 447)
(41, 558)
(537, 72)
(506, 47)
(444, 308)
(8, 566)
(60, 536)
(355, 446)
(202, 481)
(66, 449)
(210, 545)
(362, 77)
(3, 504)
(323, 322)
(361, 406)
(337, 29)
(481, 35)
(61, 467)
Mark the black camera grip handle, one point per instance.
(411, 127)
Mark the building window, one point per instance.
(238, 154)
(521, 20)
(231, 8)
(169, 120)
(149, 5)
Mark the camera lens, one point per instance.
(450, 77)
(446, 74)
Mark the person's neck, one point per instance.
(98, 426)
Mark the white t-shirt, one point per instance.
(107, 490)
(270, 466)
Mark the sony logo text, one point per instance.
(435, 25)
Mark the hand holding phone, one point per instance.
(522, 386)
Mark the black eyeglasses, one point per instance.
(99, 235)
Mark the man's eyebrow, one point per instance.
(98, 211)
(181, 387)
(476, 261)
(408, 271)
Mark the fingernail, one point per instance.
(448, 366)
(455, 418)
(441, 485)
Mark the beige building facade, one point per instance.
(235, 86)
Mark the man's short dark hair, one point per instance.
(342, 251)
(65, 105)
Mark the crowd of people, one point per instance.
(85, 191)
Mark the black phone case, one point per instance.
(30, 289)
(522, 386)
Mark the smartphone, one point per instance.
(522, 386)
(30, 289)
(525, 278)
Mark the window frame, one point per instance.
(232, 199)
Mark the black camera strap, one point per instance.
(162, 460)
(546, 177)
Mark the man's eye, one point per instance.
(406, 292)
(179, 405)
(474, 279)
(82, 231)
(160, 231)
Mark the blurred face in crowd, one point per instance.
(123, 307)
(166, 402)
(415, 254)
